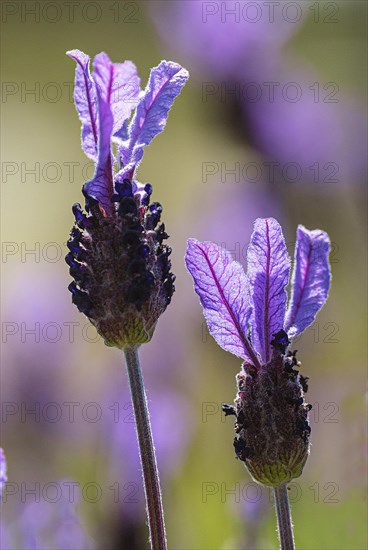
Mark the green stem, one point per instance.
(151, 479)
(284, 523)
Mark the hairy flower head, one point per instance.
(118, 259)
(248, 315)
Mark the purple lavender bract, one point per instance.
(247, 315)
(259, 298)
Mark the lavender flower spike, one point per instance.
(247, 316)
(117, 257)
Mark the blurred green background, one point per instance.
(208, 506)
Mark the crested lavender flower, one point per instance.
(248, 315)
(3, 478)
(118, 259)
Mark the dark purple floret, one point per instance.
(280, 341)
(169, 287)
(80, 299)
(148, 189)
(124, 189)
(163, 262)
(127, 206)
(144, 250)
(74, 245)
(228, 409)
(155, 208)
(80, 216)
(70, 260)
(148, 192)
(76, 233)
(161, 233)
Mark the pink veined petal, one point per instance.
(221, 285)
(268, 275)
(311, 279)
(85, 99)
(165, 84)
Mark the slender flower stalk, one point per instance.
(284, 523)
(118, 259)
(147, 451)
(248, 315)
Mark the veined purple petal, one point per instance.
(101, 185)
(86, 102)
(165, 83)
(221, 285)
(268, 275)
(118, 85)
(311, 279)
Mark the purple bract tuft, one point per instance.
(255, 303)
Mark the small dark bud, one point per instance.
(304, 382)
(79, 215)
(280, 341)
(242, 451)
(228, 409)
(148, 189)
(295, 400)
